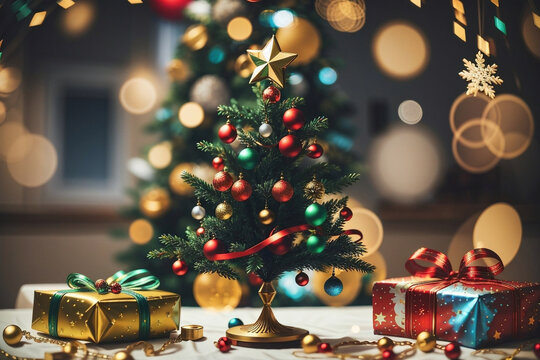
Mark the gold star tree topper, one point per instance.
(270, 63)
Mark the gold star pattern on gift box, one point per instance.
(270, 63)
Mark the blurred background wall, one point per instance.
(65, 225)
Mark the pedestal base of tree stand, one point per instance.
(266, 332)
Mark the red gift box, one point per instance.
(469, 306)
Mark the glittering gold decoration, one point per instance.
(178, 70)
(266, 216)
(270, 63)
(310, 343)
(12, 335)
(192, 332)
(122, 355)
(37, 19)
(459, 31)
(177, 184)
(224, 211)
(243, 66)
(385, 343)
(480, 77)
(195, 37)
(314, 190)
(66, 4)
(155, 202)
(425, 341)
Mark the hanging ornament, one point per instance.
(213, 247)
(315, 151)
(254, 279)
(265, 130)
(195, 37)
(227, 133)
(346, 213)
(235, 322)
(293, 119)
(302, 279)
(315, 244)
(241, 190)
(314, 189)
(315, 214)
(333, 286)
(282, 191)
(224, 344)
(179, 267)
(200, 231)
(155, 202)
(480, 77)
(248, 158)
(210, 91)
(271, 94)
(222, 181)
(218, 163)
(169, 9)
(290, 146)
(452, 351)
(224, 211)
(266, 216)
(324, 348)
(198, 212)
(271, 63)
(281, 246)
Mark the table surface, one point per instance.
(331, 324)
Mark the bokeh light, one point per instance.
(499, 228)
(178, 70)
(352, 284)
(239, 28)
(3, 112)
(287, 285)
(369, 224)
(140, 168)
(177, 184)
(155, 202)
(32, 160)
(191, 114)
(195, 37)
(141, 231)
(327, 75)
(531, 34)
(346, 15)
(244, 66)
(10, 131)
(160, 155)
(462, 241)
(400, 50)
(302, 38)
(78, 18)
(410, 112)
(10, 79)
(164, 114)
(282, 18)
(376, 259)
(406, 164)
(216, 293)
(138, 95)
(216, 54)
(464, 109)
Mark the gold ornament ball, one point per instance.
(266, 216)
(71, 348)
(122, 355)
(310, 343)
(224, 211)
(195, 37)
(302, 38)
(12, 335)
(385, 343)
(177, 184)
(155, 202)
(426, 341)
(314, 190)
(216, 293)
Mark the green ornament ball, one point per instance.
(315, 244)
(315, 214)
(248, 158)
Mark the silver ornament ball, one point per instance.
(224, 10)
(210, 91)
(198, 212)
(265, 130)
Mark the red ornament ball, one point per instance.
(324, 348)
(218, 163)
(241, 190)
(116, 288)
(200, 231)
(293, 119)
(388, 355)
(227, 133)
(254, 279)
(222, 181)
(346, 213)
(281, 246)
(224, 344)
(169, 9)
(179, 267)
(282, 191)
(452, 351)
(315, 151)
(536, 350)
(272, 94)
(290, 146)
(213, 247)
(302, 279)
(101, 284)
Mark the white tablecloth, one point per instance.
(330, 324)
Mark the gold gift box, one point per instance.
(107, 318)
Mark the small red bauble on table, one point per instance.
(281, 246)
(218, 163)
(290, 146)
(200, 231)
(282, 191)
(116, 288)
(213, 247)
(324, 348)
(536, 350)
(452, 351)
(179, 267)
(222, 181)
(346, 213)
(224, 344)
(293, 119)
(388, 355)
(271, 94)
(241, 190)
(302, 279)
(315, 151)
(227, 133)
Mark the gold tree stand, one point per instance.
(266, 332)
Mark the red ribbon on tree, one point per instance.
(273, 238)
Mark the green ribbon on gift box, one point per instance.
(139, 279)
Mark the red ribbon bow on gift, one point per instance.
(442, 268)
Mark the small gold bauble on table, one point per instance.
(426, 341)
(71, 348)
(122, 355)
(12, 335)
(266, 216)
(385, 343)
(310, 343)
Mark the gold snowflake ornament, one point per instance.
(481, 77)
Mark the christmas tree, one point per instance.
(266, 194)
(210, 68)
